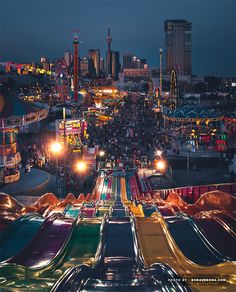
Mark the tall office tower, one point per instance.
(115, 60)
(94, 55)
(178, 47)
(127, 60)
(86, 68)
(102, 65)
(108, 54)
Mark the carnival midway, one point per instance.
(114, 178)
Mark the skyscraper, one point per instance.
(127, 60)
(178, 47)
(102, 65)
(115, 60)
(86, 68)
(94, 55)
(108, 54)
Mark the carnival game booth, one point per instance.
(75, 131)
(201, 125)
(15, 116)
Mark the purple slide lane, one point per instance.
(51, 237)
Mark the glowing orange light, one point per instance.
(81, 166)
(56, 147)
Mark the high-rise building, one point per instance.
(86, 67)
(102, 65)
(94, 55)
(108, 54)
(127, 60)
(115, 61)
(178, 47)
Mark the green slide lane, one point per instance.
(113, 189)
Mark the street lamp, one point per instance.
(189, 148)
(161, 165)
(158, 152)
(100, 157)
(101, 153)
(81, 166)
(56, 149)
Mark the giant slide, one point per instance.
(118, 267)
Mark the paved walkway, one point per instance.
(197, 153)
(35, 183)
(202, 176)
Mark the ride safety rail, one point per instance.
(192, 193)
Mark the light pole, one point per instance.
(56, 149)
(188, 147)
(81, 167)
(101, 155)
(188, 171)
(161, 165)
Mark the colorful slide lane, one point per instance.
(158, 245)
(19, 234)
(44, 251)
(192, 241)
(81, 248)
(219, 235)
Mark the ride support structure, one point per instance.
(76, 45)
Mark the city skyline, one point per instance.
(136, 27)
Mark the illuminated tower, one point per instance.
(76, 44)
(160, 51)
(108, 55)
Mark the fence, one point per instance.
(192, 194)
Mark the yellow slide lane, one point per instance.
(136, 210)
(123, 190)
(157, 245)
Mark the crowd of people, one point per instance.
(129, 139)
(132, 136)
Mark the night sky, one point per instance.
(34, 28)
